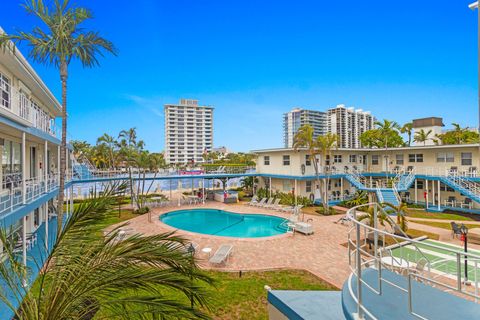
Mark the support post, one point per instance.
(45, 165)
(45, 210)
(341, 188)
(358, 263)
(269, 185)
(295, 191)
(438, 199)
(416, 189)
(24, 170)
(24, 246)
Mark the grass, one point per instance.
(440, 216)
(445, 225)
(414, 233)
(235, 297)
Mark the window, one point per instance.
(287, 186)
(419, 184)
(353, 158)
(337, 158)
(266, 160)
(399, 159)
(466, 158)
(444, 187)
(375, 160)
(308, 186)
(445, 157)
(286, 160)
(307, 160)
(4, 91)
(412, 157)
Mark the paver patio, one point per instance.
(321, 253)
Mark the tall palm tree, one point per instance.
(387, 129)
(407, 128)
(64, 40)
(422, 136)
(110, 142)
(304, 138)
(458, 133)
(325, 144)
(92, 271)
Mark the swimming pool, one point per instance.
(224, 223)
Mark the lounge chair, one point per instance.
(273, 205)
(222, 254)
(455, 229)
(253, 201)
(259, 203)
(269, 203)
(419, 267)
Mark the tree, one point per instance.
(388, 130)
(407, 128)
(326, 143)
(64, 40)
(400, 213)
(122, 277)
(458, 136)
(422, 136)
(369, 216)
(110, 144)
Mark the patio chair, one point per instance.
(222, 254)
(269, 203)
(409, 168)
(450, 202)
(467, 203)
(273, 205)
(259, 203)
(419, 267)
(253, 201)
(456, 232)
(453, 170)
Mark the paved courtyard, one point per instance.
(321, 253)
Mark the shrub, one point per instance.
(142, 210)
(326, 212)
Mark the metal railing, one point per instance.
(464, 185)
(404, 255)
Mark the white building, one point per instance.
(349, 124)
(432, 125)
(188, 131)
(293, 120)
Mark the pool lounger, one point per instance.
(303, 227)
(222, 254)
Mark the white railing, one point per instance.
(446, 274)
(463, 183)
(22, 106)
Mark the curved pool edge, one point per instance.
(204, 235)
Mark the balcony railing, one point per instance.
(25, 108)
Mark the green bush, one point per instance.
(285, 198)
(142, 210)
(326, 212)
(415, 206)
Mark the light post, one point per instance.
(464, 231)
(474, 6)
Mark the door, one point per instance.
(33, 162)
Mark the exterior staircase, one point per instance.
(463, 185)
(405, 181)
(82, 168)
(357, 180)
(388, 196)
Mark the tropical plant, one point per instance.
(399, 210)
(248, 183)
(369, 216)
(458, 135)
(110, 144)
(63, 41)
(386, 135)
(360, 197)
(91, 270)
(422, 136)
(408, 129)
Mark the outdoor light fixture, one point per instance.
(464, 231)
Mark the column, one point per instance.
(295, 191)
(45, 210)
(24, 170)
(269, 185)
(341, 188)
(45, 165)
(427, 193)
(416, 195)
(438, 199)
(24, 245)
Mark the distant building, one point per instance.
(188, 132)
(349, 124)
(298, 117)
(434, 124)
(222, 151)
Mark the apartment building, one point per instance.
(349, 124)
(293, 120)
(441, 173)
(188, 131)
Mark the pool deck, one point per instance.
(321, 253)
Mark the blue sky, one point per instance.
(255, 60)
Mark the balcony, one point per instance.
(31, 113)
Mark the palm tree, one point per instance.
(387, 129)
(110, 142)
(304, 138)
(422, 136)
(458, 133)
(92, 271)
(407, 128)
(325, 144)
(64, 40)
(369, 216)
(399, 210)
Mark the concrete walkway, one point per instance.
(444, 220)
(321, 253)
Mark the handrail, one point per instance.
(357, 252)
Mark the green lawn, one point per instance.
(245, 298)
(445, 225)
(418, 233)
(440, 216)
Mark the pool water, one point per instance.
(224, 223)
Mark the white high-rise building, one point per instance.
(188, 131)
(293, 120)
(349, 124)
